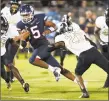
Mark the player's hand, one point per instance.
(16, 38)
(24, 31)
(24, 34)
(46, 32)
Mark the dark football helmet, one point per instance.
(27, 13)
(15, 4)
(4, 25)
(107, 16)
(67, 19)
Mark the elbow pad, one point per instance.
(23, 44)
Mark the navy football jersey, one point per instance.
(36, 28)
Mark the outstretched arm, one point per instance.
(23, 35)
(52, 27)
(57, 45)
(97, 34)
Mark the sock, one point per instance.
(12, 76)
(75, 81)
(9, 75)
(84, 90)
(22, 81)
(51, 68)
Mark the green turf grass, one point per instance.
(44, 87)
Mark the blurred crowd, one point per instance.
(83, 12)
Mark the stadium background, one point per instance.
(42, 83)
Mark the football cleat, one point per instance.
(84, 95)
(57, 73)
(26, 87)
(9, 86)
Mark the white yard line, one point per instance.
(30, 98)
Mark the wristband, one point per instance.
(51, 29)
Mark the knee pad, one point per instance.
(32, 60)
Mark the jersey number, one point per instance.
(35, 32)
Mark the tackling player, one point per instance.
(76, 41)
(12, 14)
(101, 32)
(6, 58)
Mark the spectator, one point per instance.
(53, 13)
(94, 16)
(82, 22)
(90, 24)
(54, 16)
(83, 8)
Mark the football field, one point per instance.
(44, 87)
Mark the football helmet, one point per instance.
(15, 4)
(107, 16)
(66, 19)
(27, 13)
(4, 25)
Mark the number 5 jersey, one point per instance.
(36, 28)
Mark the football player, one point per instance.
(101, 32)
(76, 41)
(6, 58)
(31, 29)
(13, 16)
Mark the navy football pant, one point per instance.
(43, 53)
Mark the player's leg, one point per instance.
(8, 61)
(62, 56)
(18, 76)
(53, 62)
(37, 60)
(70, 76)
(8, 71)
(12, 50)
(82, 65)
(102, 62)
(106, 84)
(4, 75)
(105, 53)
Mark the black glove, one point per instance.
(51, 48)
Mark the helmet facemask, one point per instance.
(27, 13)
(67, 19)
(27, 17)
(14, 8)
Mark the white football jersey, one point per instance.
(12, 20)
(74, 40)
(100, 23)
(3, 40)
(3, 43)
